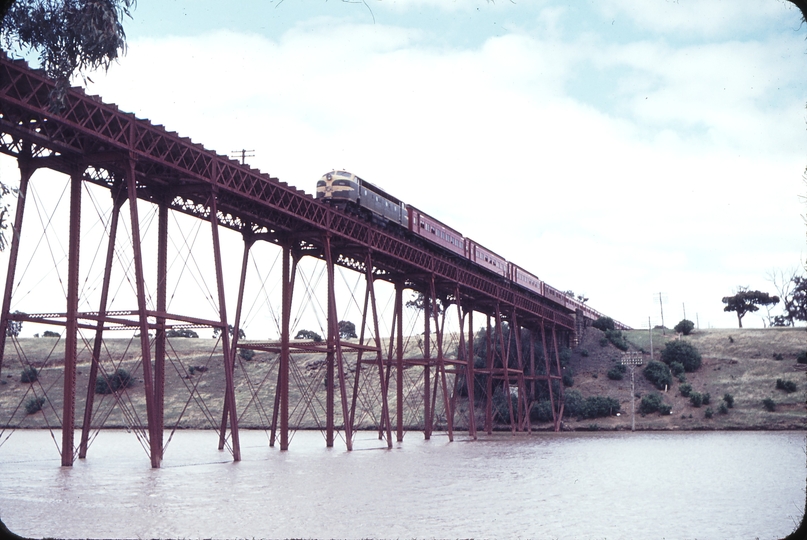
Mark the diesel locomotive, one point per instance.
(346, 189)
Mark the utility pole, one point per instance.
(685, 309)
(661, 306)
(650, 328)
(242, 155)
(632, 359)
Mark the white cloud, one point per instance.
(691, 191)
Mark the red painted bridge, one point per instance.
(96, 144)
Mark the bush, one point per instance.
(604, 323)
(722, 409)
(574, 404)
(658, 374)
(565, 355)
(682, 378)
(709, 412)
(685, 389)
(246, 354)
(34, 404)
(29, 374)
(787, 386)
(584, 353)
(604, 342)
(308, 334)
(590, 407)
(769, 404)
(682, 352)
(541, 412)
(802, 358)
(684, 327)
(677, 368)
(707, 398)
(50, 333)
(615, 374)
(696, 399)
(117, 381)
(617, 339)
(729, 399)
(653, 403)
(181, 332)
(778, 356)
(568, 378)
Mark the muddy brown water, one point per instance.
(567, 485)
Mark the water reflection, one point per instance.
(603, 485)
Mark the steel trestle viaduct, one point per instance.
(94, 142)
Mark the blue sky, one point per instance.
(618, 148)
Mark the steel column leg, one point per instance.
(427, 338)
(489, 383)
(561, 396)
(506, 367)
(145, 350)
(26, 170)
(399, 386)
(236, 331)
(71, 338)
(379, 360)
(332, 338)
(117, 202)
(441, 364)
(471, 377)
(159, 334)
(229, 392)
(548, 367)
(283, 377)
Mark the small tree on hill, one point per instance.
(682, 352)
(746, 301)
(604, 323)
(308, 334)
(684, 327)
(347, 330)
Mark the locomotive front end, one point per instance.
(338, 186)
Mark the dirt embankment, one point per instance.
(744, 363)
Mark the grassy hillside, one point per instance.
(741, 362)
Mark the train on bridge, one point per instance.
(343, 187)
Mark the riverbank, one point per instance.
(745, 363)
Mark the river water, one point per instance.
(639, 485)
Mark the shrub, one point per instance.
(617, 339)
(246, 354)
(653, 403)
(677, 368)
(181, 332)
(29, 374)
(685, 389)
(34, 404)
(729, 399)
(604, 342)
(682, 352)
(709, 412)
(600, 406)
(584, 353)
(769, 404)
(50, 333)
(541, 412)
(682, 378)
(658, 374)
(604, 323)
(615, 374)
(565, 356)
(684, 327)
(574, 404)
(117, 381)
(787, 386)
(778, 356)
(722, 409)
(308, 334)
(802, 358)
(568, 378)
(707, 397)
(696, 399)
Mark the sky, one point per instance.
(628, 150)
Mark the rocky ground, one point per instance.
(741, 362)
